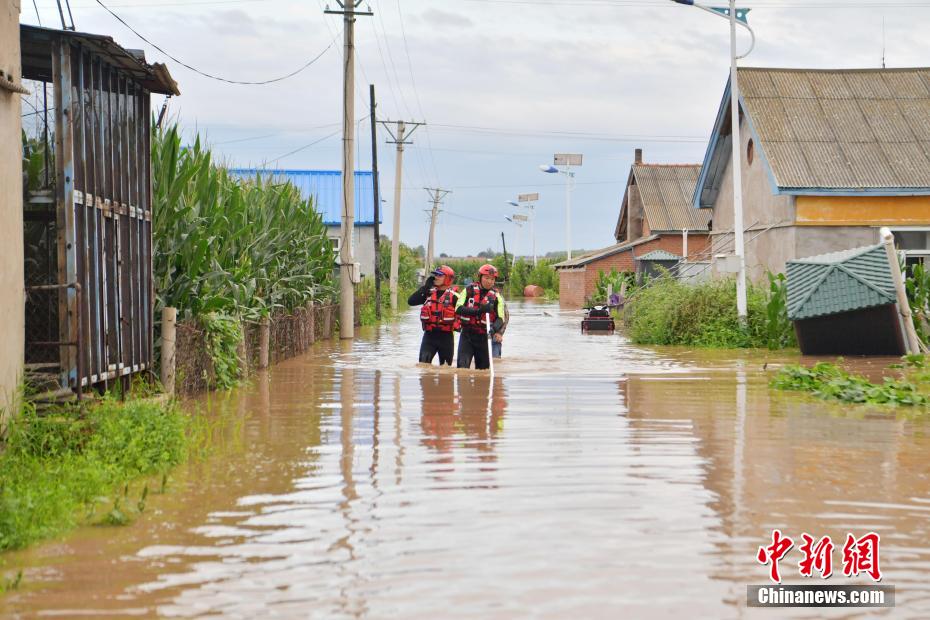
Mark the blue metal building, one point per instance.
(325, 187)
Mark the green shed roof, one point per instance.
(659, 255)
(839, 282)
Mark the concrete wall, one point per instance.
(762, 208)
(814, 240)
(12, 327)
(363, 246)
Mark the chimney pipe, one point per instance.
(638, 156)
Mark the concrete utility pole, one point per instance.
(348, 272)
(734, 16)
(436, 195)
(741, 299)
(377, 198)
(399, 140)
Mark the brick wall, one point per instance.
(576, 286)
(571, 288)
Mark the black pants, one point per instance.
(473, 346)
(437, 342)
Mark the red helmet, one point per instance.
(488, 270)
(444, 270)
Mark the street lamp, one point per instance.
(734, 16)
(525, 201)
(517, 220)
(566, 160)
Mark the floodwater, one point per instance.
(590, 479)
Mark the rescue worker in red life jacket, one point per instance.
(474, 302)
(438, 297)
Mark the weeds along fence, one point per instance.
(291, 334)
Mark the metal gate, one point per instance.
(103, 201)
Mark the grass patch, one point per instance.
(829, 382)
(61, 468)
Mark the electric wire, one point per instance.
(416, 93)
(215, 77)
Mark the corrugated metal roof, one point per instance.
(839, 282)
(667, 191)
(35, 42)
(584, 259)
(325, 186)
(659, 255)
(842, 129)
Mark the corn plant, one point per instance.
(232, 247)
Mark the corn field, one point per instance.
(232, 247)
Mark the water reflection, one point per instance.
(589, 478)
(461, 411)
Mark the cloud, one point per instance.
(445, 19)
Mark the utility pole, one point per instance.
(436, 195)
(741, 295)
(347, 268)
(399, 140)
(377, 199)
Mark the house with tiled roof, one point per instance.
(657, 226)
(827, 158)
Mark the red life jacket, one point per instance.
(438, 313)
(476, 324)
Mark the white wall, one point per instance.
(363, 246)
(12, 328)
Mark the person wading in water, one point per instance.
(438, 298)
(474, 302)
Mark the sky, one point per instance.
(501, 84)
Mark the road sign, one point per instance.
(520, 218)
(528, 197)
(567, 159)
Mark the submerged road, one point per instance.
(590, 479)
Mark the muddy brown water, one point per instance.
(590, 479)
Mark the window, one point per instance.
(915, 243)
(750, 151)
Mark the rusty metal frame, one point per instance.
(103, 216)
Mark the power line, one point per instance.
(748, 5)
(302, 148)
(214, 77)
(416, 93)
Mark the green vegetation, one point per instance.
(918, 297)
(227, 249)
(514, 276)
(829, 382)
(612, 280)
(667, 311)
(409, 261)
(59, 468)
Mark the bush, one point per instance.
(667, 311)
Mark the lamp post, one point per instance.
(566, 160)
(734, 16)
(517, 220)
(528, 202)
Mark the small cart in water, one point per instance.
(597, 319)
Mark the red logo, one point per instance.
(819, 556)
(773, 553)
(860, 555)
